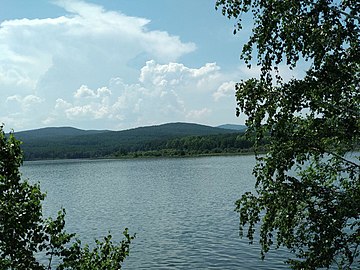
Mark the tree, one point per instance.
(24, 233)
(307, 195)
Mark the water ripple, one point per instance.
(181, 209)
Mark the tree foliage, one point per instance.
(233, 143)
(69, 143)
(308, 185)
(26, 236)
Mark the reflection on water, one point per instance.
(182, 210)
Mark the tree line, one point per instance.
(235, 143)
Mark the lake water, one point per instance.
(182, 210)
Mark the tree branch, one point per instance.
(344, 159)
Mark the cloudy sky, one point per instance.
(108, 64)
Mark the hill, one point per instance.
(51, 143)
(54, 132)
(233, 127)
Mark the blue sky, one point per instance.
(117, 64)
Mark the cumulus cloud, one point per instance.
(175, 73)
(90, 111)
(164, 93)
(87, 40)
(78, 69)
(18, 111)
(24, 102)
(62, 104)
(226, 89)
(85, 92)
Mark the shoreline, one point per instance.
(131, 156)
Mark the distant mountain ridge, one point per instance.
(168, 129)
(233, 127)
(178, 128)
(68, 142)
(55, 132)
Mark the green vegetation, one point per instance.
(233, 143)
(25, 235)
(177, 139)
(308, 184)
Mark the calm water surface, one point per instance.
(182, 210)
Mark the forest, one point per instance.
(168, 140)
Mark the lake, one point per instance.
(181, 209)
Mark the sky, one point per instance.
(117, 64)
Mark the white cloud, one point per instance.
(174, 73)
(164, 93)
(91, 111)
(88, 41)
(15, 77)
(78, 70)
(195, 115)
(15, 98)
(85, 92)
(226, 89)
(94, 21)
(18, 111)
(24, 102)
(48, 121)
(62, 104)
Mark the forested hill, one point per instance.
(168, 139)
(233, 127)
(54, 132)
